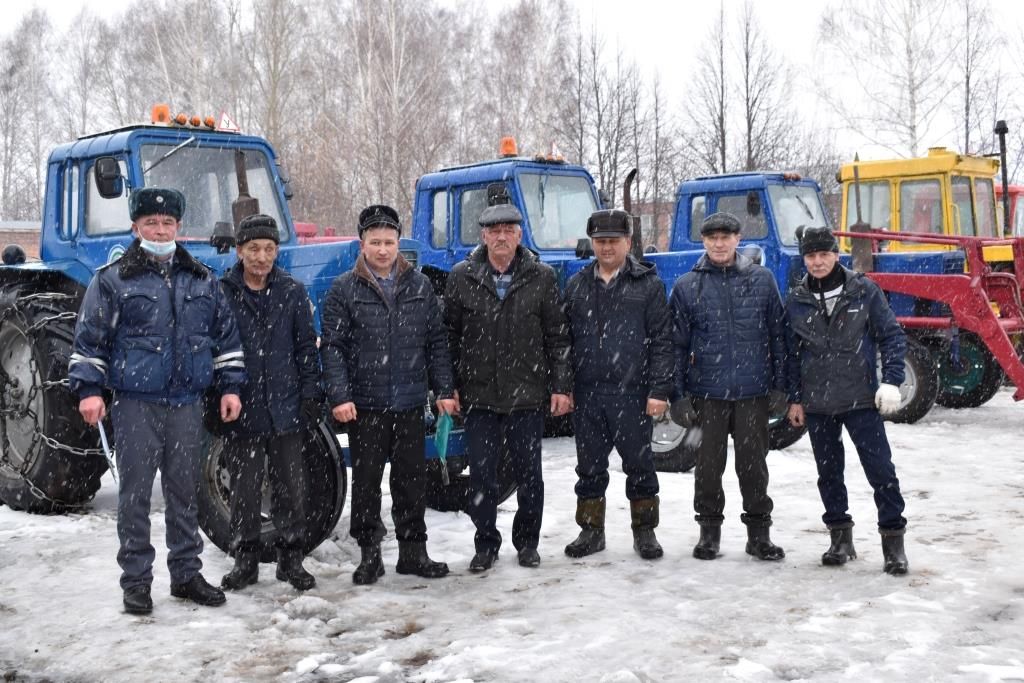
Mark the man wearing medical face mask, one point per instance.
(155, 329)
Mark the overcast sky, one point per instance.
(659, 36)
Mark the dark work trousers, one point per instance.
(151, 437)
(280, 457)
(602, 422)
(488, 434)
(374, 438)
(747, 421)
(867, 431)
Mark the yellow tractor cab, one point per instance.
(944, 193)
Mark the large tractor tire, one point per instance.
(973, 380)
(455, 496)
(674, 446)
(49, 462)
(920, 387)
(326, 488)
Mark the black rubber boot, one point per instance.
(590, 517)
(483, 560)
(893, 553)
(709, 542)
(370, 568)
(289, 568)
(645, 518)
(245, 572)
(841, 550)
(413, 559)
(759, 544)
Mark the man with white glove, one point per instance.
(839, 324)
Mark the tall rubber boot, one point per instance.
(290, 569)
(841, 549)
(759, 544)
(370, 568)
(413, 559)
(893, 553)
(709, 542)
(590, 517)
(245, 572)
(645, 518)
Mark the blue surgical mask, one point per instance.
(158, 248)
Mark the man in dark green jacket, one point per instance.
(510, 345)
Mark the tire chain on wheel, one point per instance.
(39, 437)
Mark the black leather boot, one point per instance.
(289, 568)
(893, 553)
(413, 559)
(198, 591)
(590, 517)
(709, 542)
(841, 550)
(245, 572)
(370, 568)
(137, 600)
(759, 544)
(645, 518)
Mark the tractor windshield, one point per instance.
(206, 176)
(558, 207)
(794, 206)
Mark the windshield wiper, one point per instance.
(807, 209)
(171, 151)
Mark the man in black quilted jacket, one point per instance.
(383, 347)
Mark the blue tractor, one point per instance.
(556, 198)
(50, 461)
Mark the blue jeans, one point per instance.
(151, 437)
(603, 422)
(488, 434)
(867, 431)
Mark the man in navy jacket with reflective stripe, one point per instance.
(730, 344)
(155, 329)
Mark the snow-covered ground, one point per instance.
(959, 614)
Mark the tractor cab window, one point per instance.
(439, 220)
(984, 198)
(698, 212)
(747, 207)
(557, 208)
(105, 216)
(963, 208)
(875, 205)
(471, 204)
(921, 206)
(206, 176)
(795, 206)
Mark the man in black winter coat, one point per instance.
(510, 343)
(622, 368)
(279, 401)
(383, 347)
(839, 323)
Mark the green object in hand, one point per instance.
(444, 427)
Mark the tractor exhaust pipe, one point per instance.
(637, 243)
(1001, 130)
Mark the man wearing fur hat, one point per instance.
(839, 323)
(383, 347)
(280, 401)
(622, 367)
(510, 343)
(155, 329)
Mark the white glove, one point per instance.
(887, 399)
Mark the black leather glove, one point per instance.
(683, 413)
(310, 412)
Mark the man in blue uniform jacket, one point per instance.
(156, 330)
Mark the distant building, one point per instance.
(22, 233)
